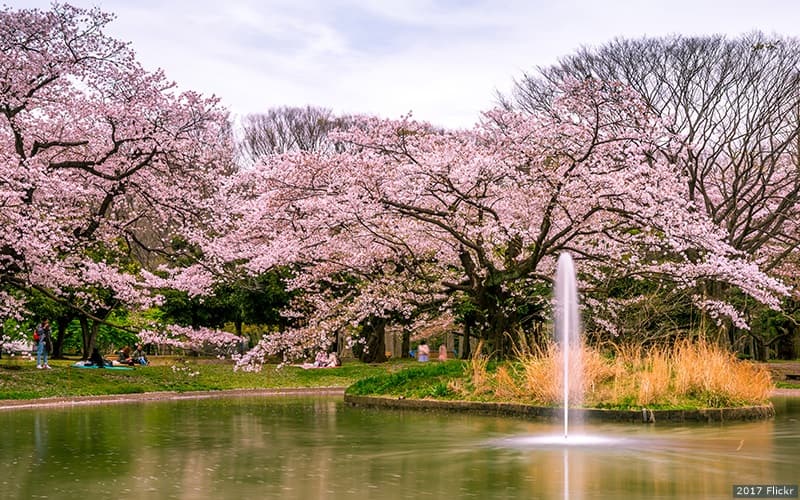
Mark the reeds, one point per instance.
(708, 373)
(541, 374)
(686, 374)
(481, 380)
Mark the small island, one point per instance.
(688, 381)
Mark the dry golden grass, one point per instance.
(505, 386)
(541, 375)
(705, 371)
(654, 378)
(687, 374)
(480, 378)
(596, 370)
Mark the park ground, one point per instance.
(785, 374)
(168, 377)
(20, 380)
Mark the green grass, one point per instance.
(19, 379)
(429, 380)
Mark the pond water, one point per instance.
(319, 448)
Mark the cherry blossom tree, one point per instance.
(407, 217)
(102, 164)
(196, 340)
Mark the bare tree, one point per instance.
(735, 102)
(284, 129)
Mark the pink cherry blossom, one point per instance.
(104, 164)
(419, 216)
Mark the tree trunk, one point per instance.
(787, 346)
(405, 348)
(762, 352)
(497, 323)
(87, 341)
(374, 350)
(466, 346)
(500, 327)
(89, 335)
(62, 323)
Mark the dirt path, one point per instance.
(787, 392)
(780, 369)
(11, 404)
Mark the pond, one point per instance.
(319, 448)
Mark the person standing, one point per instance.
(43, 332)
(423, 351)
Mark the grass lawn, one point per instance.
(19, 378)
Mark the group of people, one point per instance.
(42, 336)
(137, 357)
(424, 351)
(323, 360)
(125, 357)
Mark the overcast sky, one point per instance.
(441, 60)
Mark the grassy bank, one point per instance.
(19, 379)
(630, 379)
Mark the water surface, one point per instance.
(318, 448)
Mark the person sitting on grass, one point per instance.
(97, 360)
(320, 360)
(125, 356)
(333, 360)
(139, 356)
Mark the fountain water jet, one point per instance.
(567, 328)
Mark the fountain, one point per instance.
(567, 329)
(568, 334)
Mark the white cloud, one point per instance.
(441, 59)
